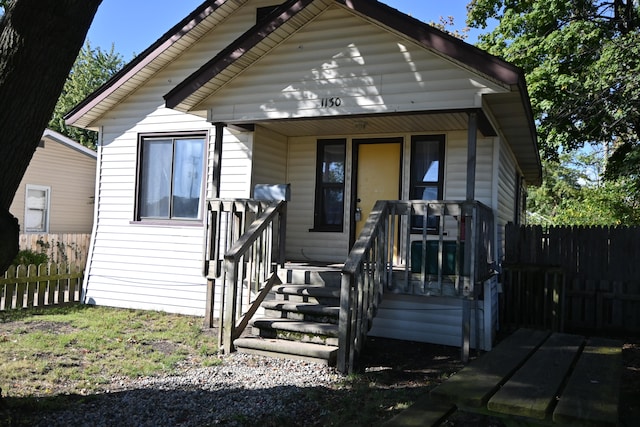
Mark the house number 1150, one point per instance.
(330, 102)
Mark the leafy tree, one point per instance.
(582, 61)
(573, 193)
(92, 68)
(39, 41)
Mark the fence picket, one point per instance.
(40, 286)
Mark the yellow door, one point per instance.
(378, 177)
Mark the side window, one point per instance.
(427, 175)
(329, 200)
(170, 180)
(36, 209)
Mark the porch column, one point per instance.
(471, 156)
(217, 157)
(217, 162)
(469, 247)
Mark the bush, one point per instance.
(27, 257)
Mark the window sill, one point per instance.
(168, 223)
(325, 230)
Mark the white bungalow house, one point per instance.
(405, 152)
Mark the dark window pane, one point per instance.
(333, 206)
(427, 160)
(329, 203)
(333, 164)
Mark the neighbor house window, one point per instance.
(170, 177)
(427, 175)
(329, 205)
(36, 209)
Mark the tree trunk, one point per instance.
(39, 41)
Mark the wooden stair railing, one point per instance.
(248, 270)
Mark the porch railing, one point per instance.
(423, 247)
(245, 241)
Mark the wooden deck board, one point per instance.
(531, 391)
(424, 412)
(592, 391)
(475, 383)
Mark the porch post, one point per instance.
(217, 157)
(471, 156)
(469, 247)
(217, 162)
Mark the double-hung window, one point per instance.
(36, 210)
(171, 174)
(329, 200)
(427, 175)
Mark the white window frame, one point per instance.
(47, 209)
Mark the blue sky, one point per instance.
(132, 25)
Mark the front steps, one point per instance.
(300, 318)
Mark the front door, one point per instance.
(377, 168)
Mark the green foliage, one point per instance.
(28, 257)
(582, 60)
(92, 69)
(571, 193)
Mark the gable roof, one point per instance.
(140, 69)
(512, 110)
(293, 14)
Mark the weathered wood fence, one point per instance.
(40, 286)
(60, 248)
(584, 279)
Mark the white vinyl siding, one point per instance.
(507, 191)
(370, 70)
(269, 157)
(303, 244)
(437, 320)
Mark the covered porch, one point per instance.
(245, 249)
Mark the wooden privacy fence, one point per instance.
(573, 278)
(40, 286)
(60, 248)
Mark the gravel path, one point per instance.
(242, 391)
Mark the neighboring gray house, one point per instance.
(349, 102)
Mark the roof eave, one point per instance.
(81, 116)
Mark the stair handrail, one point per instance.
(369, 268)
(363, 277)
(254, 252)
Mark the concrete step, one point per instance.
(317, 353)
(295, 330)
(304, 311)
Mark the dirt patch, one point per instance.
(56, 328)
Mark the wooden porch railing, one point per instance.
(245, 241)
(392, 254)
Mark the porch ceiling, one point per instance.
(358, 125)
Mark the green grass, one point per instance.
(77, 349)
(60, 357)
